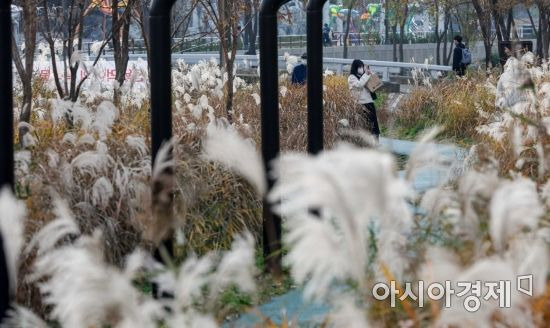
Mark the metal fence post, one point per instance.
(269, 91)
(315, 75)
(161, 87)
(6, 135)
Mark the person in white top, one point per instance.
(357, 81)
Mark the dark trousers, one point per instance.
(371, 121)
(461, 70)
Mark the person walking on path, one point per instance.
(299, 73)
(326, 36)
(357, 81)
(461, 56)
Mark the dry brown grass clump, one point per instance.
(453, 104)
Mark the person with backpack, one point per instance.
(357, 81)
(299, 73)
(326, 36)
(462, 57)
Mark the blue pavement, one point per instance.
(291, 306)
(430, 176)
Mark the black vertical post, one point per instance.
(269, 91)
(160, 72)
(6, 136)
(315, 75)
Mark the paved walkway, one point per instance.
(291, 306)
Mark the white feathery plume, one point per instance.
(70, 138)
(257, 98)
(102, 192)
(193, 275)
(20, 317)
(436, 200)
(352, 183)
(473, 186)
(28, 140)
(92, 162)
(96, 47)
(81, 114)
(86, 139)
(545, 193)
(196, 110)
(75, 58)
(137, 143)
(316, 256)
(52, 233)
(347, 314)
(84, 291)
(350, 188)
(22, 161)
(237, 266)
(517, 141)
(424, 154)
(192, 319)
(225, 146)
(440, 265)
(12, 217)
(539, 147)
(484, 270)
(195, 74)
(25, 125)
(391, 247)
(283, 90)
(122, 179)
(135, 262)
(528, 58)
(66, 171)
(164, 159)
(515, 205)
(475, 183)
(105, 116)
(53, 158)
(529, 255)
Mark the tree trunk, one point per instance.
(120, 48)
(544, 32)
(228, 46)
(51, 43)
(252, 44)
(401, 41)
(501, 34)
(497, 19)
(437, 35)
(143, 12)
(386, 23)
(25, 69)
(74, 69)
(449, 54)
(485, 24)
(402, 35)
(394, 42)
(248, 23)
(511, 25)
(348, 23)
(537, 33)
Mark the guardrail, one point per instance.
(339, 65)
(292, 41)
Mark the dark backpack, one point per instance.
(466, 57)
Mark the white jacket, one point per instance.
(359, 90)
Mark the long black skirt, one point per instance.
(371, 121)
